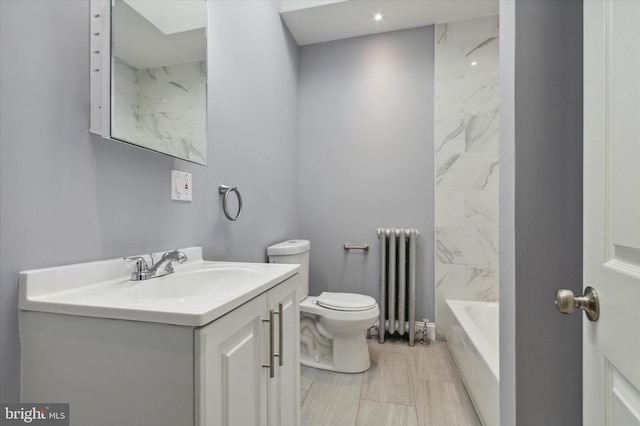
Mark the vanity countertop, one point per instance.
(197, 293)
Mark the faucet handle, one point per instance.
(141, 263)
(141, 268)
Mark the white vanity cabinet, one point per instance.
(133, 372)
(247, 363)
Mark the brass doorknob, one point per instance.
(567, 302)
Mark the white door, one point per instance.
(611, 348)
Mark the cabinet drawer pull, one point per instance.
(270, 365)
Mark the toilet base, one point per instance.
(350, 355)
(335, 340)
(321, 363)
(350, 352)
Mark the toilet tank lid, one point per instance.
(289, 247)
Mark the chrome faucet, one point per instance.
(143, 272)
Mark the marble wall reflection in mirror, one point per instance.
(158, 76)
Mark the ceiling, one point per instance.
(143, 38)
(317, 21)
(172, 17)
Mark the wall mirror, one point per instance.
(149, 75)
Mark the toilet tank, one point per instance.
(293, 251)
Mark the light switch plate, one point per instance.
(181, 186)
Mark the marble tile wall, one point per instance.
(164, 108)
(467, 118)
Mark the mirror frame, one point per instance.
(101, 77)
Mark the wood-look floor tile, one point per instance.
(332, 399)
(307, 375)
(373, 413)
(433, 362)
(388, 379)
(391, 344)
(443, 404)
(422, 380)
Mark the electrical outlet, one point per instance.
(181, 186)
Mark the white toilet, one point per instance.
(332, 325)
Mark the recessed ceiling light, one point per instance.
(378, 17)
(474, 63)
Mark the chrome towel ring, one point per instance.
(226, 190)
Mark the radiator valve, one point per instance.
(421, 328)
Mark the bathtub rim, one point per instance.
(488, 353)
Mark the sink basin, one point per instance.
(212, 280)
(197, 293)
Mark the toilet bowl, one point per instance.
(332, 325)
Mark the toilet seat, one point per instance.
(345, 301)
(310, 305)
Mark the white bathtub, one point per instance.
(471, 331)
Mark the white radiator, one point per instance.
(397, 281)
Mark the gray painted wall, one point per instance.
(541, 216)
(67, 196)
(366, 155)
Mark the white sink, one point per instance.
(197, 293)
(211, 280)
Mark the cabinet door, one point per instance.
(284, 388)
(231, 382)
